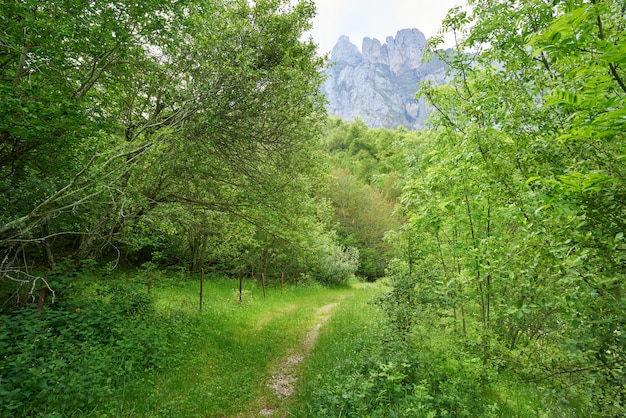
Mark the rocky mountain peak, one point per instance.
(346, 52)
(374, 52)
(402, 53)
(379, 83)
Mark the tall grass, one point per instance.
(229, 348)
(333, 372)
(109, 349)
(362, 367)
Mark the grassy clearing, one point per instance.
(112, 351)
(229, 350)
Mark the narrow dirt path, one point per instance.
(284, 376)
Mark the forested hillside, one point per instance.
(144, 144)
(366, 168)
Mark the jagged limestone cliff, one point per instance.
(379, 83)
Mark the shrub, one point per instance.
(63, 360)
(337, 264)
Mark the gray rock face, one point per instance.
(379, 84)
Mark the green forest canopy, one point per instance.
(184, 132)
(516, 199)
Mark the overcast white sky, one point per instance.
(376, 19)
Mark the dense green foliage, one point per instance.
(192, 135)
(181, 134)
(509, 267)
(107, 348)
(362, 366)
(69, 359)
(515, 202)
(367, 166)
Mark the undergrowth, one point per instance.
(66, 359)
(364, 366)
(108, 347)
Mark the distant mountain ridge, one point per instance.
(379, 83)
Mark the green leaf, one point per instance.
(564, 97)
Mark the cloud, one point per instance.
(376, 19)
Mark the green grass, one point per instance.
(333, 369)
(133, 356)
(360, 367)
(230, 347)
